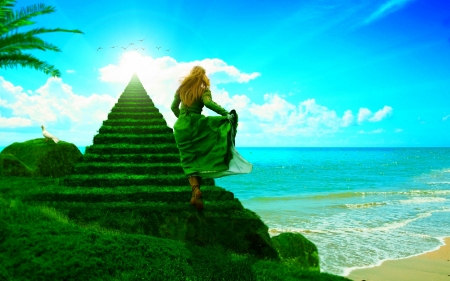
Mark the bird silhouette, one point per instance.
(142, 39)
(113, 47)
(168, 50)
(158, 48)
(143, 48)
(99, 48)
(124, 48)
(130, 44)
(135, 49)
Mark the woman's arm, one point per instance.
(176, 104)
(209, 103)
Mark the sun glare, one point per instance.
(131, 62)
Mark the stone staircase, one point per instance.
(131, 180)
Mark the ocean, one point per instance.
(360, 206)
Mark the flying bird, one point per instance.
(124, 48)
(168, 50)
(130, 44)
(48, 136)
(142, 39)
(113, 47)
(99, 48)
(143, 48)
(158, 48)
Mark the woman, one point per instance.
(204, 142)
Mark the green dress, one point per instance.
(204, 142)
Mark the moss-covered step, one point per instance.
(92, 168)
(240, 231)
(128, 154)
(225, 207)
(152, 129)
(112, 180)
(135, 116)
(134, 138)
(131, 122)
(137, 194)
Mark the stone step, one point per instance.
(133, 122)
(95, 168)
(135, 116)
(134, 139)
(135, 153)
(134, 103)
(113, 180)
(224, 208)
(137, 194)
(159, 129)
(135, 109)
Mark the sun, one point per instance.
(131, 62)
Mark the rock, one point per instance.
(43, 159)
(11, 166)
(296, 250)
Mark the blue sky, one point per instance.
(372, 73)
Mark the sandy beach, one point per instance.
(431, 266)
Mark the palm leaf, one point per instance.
(20, 41)
(16, 19)
(26, 60)
(5, 9)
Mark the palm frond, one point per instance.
(5, 9)
(47, 30)
(21, 18)
(26, 60)
(20, 41)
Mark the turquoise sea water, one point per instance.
(360, 206)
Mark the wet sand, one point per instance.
(431, 266)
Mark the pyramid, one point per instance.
(131, 180)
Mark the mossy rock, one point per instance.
(11, 166)
(43, 158)
(295, 249)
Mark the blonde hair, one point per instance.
(193, 86)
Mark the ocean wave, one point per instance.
(438, 182)
(383, 228)
(419, 200)
(362, 205)
(441, 241)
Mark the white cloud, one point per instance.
(281, 118)
(381, 114)
(363, 114)
(14, 122)
(55, 103)
(377, 131)
(388, 7)
(398, 130)
(445, 117)
(70, 71)
(347, 119)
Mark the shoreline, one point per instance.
(433, 265)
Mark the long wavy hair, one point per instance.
(193, 86)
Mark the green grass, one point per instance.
(40, 242)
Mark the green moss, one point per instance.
(47, 159)
(11, 166)
(295, 249)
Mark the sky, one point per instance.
(312, 73)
